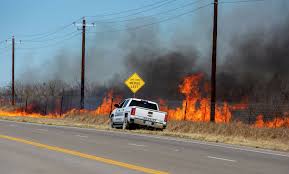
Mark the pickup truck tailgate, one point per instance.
(151, 115)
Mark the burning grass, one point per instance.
(188, 120)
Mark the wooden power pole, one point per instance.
(13, 87)
(82, 66)
(214, 62)
(83, 26)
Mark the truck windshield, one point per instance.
(143, 104)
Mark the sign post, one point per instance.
(134, 83)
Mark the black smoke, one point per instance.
(257, 66)
(253, 65)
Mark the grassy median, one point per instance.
(233, 133)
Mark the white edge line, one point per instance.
(138, 145)
(82, 136)
(223, 159)
(45, 130)
(263, 151)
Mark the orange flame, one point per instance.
(103, 109)
(277, 122)
(194, 106)
(107, 104)
(22, 113)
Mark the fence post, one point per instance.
(250, 113)
(275, 121)
(70, 102)
(26, 103)
(226, 114)
(46, 106)
(204, 115)
(111, 105)
(61, 105)
(185, 116)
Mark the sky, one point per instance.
(26, 18)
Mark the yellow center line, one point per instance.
(83, 155)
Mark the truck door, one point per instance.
(121, 110)
(117, 114)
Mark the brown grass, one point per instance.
(233, 133)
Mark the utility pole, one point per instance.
(13, 70)
(83, 28)
(214, 62)
(82, 65)
(13, 54)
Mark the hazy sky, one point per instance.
(24, 18)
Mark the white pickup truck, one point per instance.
(133, 111)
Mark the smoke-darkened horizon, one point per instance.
(253, 60)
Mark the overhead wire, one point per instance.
(156, 14)
(71, 35)
(52, 44)
(157, 22)
(176, 16)
(239, 1)
(42, 38)
(2, 41)
(5, 49)
(45, 34)
(39, 36)
(49, 39)
(127, 11)
(140, 12)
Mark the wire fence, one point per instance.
(50, 104)
(195, 110)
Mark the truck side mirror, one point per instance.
(116, 105)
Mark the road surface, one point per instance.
(33, 149)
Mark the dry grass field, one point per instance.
(232, 133)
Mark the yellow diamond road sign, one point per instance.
(134, 82)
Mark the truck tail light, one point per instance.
(132, 112)
(166, 118)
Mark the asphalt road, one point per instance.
(160, 154)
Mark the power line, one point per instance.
(143, 11)
(158, 22)
(50, 39)
(5, 48)
(173, 17)
(49, 33)
(157, 14)
(72, 34)
(2, 41)
(127, 11)
(240, 1)
(39, 36)
(51, 45)
(45, 34)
